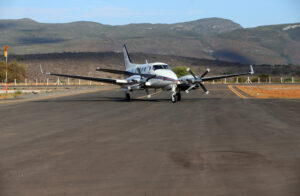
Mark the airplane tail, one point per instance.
(127, 60)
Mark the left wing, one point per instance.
(105, 80)
(192, 81)
(228, 75)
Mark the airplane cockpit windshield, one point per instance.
(155, 67)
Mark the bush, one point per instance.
(254, 79)
(264, 77)
(287, 80)
(15, 70)
(181, 71)
(242, 79)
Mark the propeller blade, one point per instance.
(206, 72)
(203, 87)
(191, 72)
(190, 88)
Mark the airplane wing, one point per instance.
(192, 81)
(105, 80)
(113, 71)
(228, 75)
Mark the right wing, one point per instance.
(105, 80)
(113, 71)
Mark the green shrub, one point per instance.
(15, 70)
(180, 71)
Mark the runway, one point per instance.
(98, 144)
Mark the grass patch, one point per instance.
(10, 95)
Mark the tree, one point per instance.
(15, 70)
(181, 71)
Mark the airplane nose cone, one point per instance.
(167, 73)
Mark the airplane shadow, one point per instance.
(122, 100)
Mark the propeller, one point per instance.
(197, 80)
(144, 83)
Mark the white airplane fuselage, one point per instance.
(164, 78)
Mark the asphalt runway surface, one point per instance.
(98, 144)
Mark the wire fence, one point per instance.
(78, 82)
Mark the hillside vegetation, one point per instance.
(212, 38)
(15, 70)
(86, 64)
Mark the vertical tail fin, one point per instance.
(127, 59)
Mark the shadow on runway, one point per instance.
(119, 99)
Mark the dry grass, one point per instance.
(10, 95)
(272, 91)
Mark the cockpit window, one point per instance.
(166, 67)
(155, 67)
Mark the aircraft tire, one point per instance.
(127, 97)
(178, 96)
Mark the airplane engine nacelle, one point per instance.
(187, 79)
(134, 79)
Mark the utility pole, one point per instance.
(5, 55)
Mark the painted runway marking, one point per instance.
(236, 92)
(150, 94)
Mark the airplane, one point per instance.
(156, 75)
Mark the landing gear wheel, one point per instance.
(174, 98)
(178, 95)
(127, 97)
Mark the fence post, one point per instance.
(90, 83)
(225, 80)
(26, 81)
(249, 80)
(68, 81)
(269, 79)
(292, 79)
(47, 81)
(36, 82)
(213, 81)
(281, 80)
(15, 82)
(258, 80)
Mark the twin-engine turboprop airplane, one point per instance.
(152, 75)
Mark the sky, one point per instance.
(248, 13)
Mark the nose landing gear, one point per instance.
(176, 96)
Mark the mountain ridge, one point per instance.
(210, 38)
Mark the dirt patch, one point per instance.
(272, 91)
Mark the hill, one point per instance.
(212, 38)
(86, 63)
